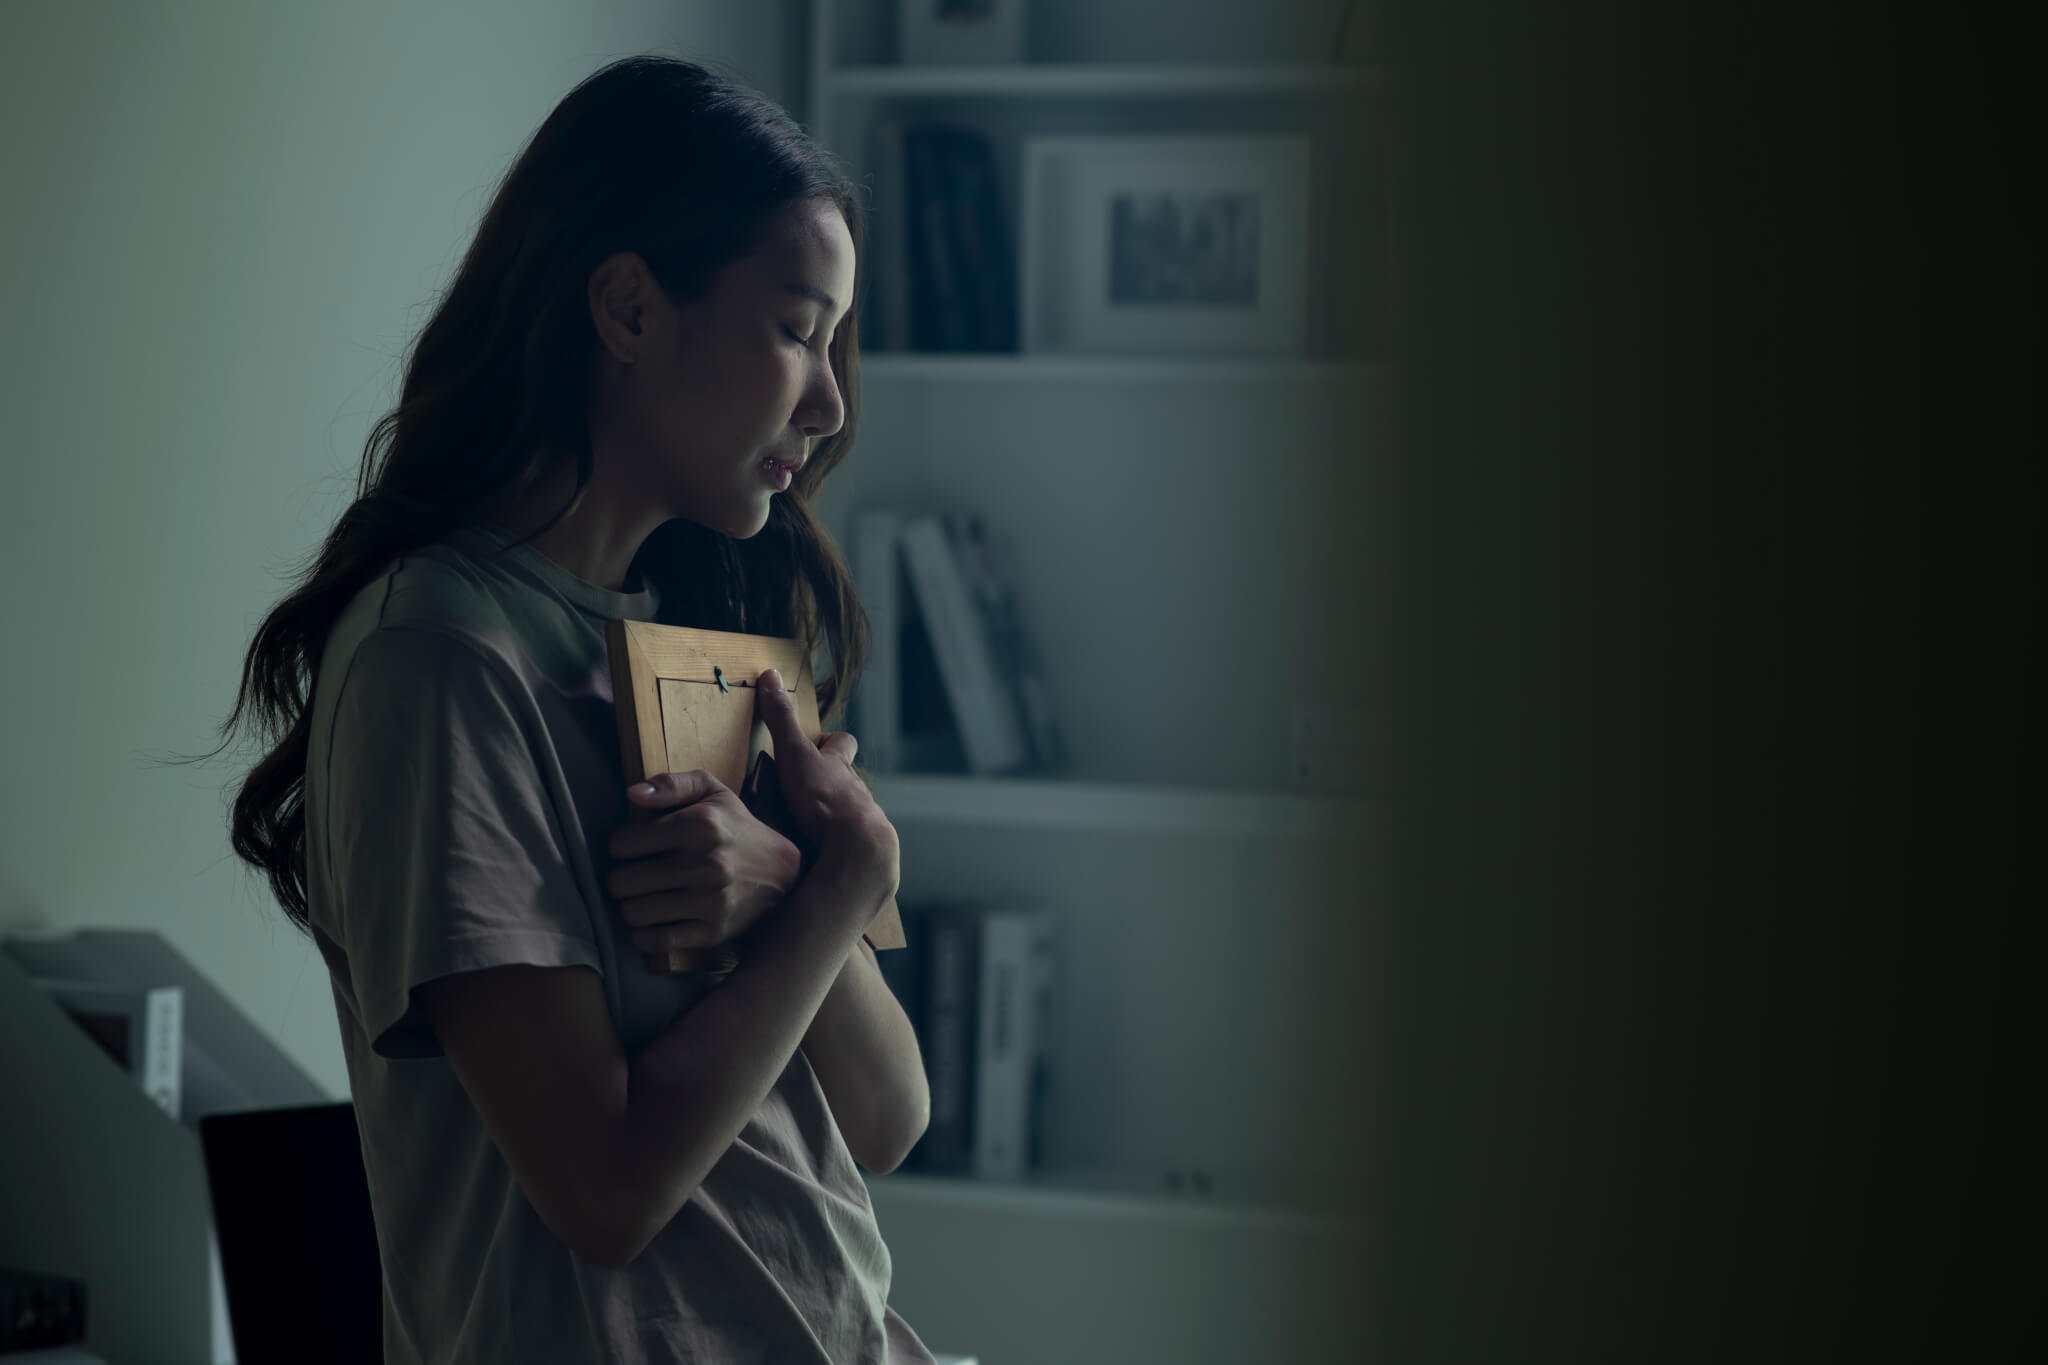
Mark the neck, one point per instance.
(596, 542)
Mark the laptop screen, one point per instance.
(298, 1248)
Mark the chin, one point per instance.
(741, 518)
(752, 525)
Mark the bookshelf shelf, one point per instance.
(1042, 803)
(1133, 80)
(1096, 1195)
(929, 367)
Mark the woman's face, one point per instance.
(721, 386)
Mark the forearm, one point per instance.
(695, 1087)
(865, 1053)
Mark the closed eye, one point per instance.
(804, 342)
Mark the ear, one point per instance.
(617, 295)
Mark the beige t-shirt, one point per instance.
(462, 783)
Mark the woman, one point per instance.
(572, 1157)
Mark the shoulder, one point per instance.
(432, 616)
(442, 590)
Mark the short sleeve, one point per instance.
(445, 850)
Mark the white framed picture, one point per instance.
(1165, 245)
(960, 32)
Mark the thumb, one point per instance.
(777, 709)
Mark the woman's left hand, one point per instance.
(700, 875)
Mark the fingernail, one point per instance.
(644, 789)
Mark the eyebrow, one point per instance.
(817, 296)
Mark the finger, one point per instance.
(686, 831)
(657, 876)
(676, 829)
(675, 938)
(666, 907)
(674, 789)
(840, 744)
(777, 709)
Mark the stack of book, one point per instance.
(979, 984)
(945, 278)
(954, 681)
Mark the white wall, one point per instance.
(223, 223)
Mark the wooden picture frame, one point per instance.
(686, 700)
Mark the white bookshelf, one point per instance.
(1209, 936)
(1113, 808)
(1266, 78)
(1102, 80)
(898, 367)
(1090, 1278)
(1100, 1194)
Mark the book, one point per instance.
(1007, 1062)
(951, 983)
(903, 972)
(979, 991)
(985, 274)
(887, 326)
(878, 573)
(141, 1028)
(938, 312)
(1045, 1004)
(952, 255)
(930, 734)
(983, 705)
(988, 559)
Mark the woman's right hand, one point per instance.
(825, 799)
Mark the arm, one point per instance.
(694, 1088)
(865, 1053)
(607, 1149)
(861, 1045)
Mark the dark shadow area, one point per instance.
(1710, 582)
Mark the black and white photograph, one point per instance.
(1184, 248)
(1165, 245)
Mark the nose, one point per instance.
(821, 412)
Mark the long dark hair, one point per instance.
(653, 155)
